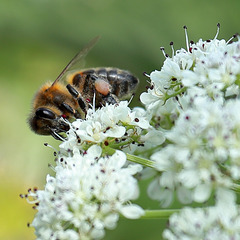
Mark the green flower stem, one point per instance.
(159, 214)
(143, 161)
(108, 150)
(118, 145)
(236, 188)
(148, 151)
(181, 90)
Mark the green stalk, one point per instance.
(143, 161)
(159, 214)
(236, 187)
(118, 145)
(181, 90)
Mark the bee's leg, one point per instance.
(110, 99)
(67, 108)
(72, 91)
(92, 76)
(57, 136)
(81, 102)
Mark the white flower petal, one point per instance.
(202, 192)
(132, 211)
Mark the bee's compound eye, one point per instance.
(45, 113)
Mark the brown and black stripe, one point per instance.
(123, 83)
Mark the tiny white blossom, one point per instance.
(209, 223)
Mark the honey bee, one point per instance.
(71, 99)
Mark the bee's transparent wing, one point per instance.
(78, 58)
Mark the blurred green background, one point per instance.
(39, 37)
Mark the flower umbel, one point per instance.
(109, 124)
(86, 196)
(185, 141)
(210, 223)
(203, 154)
(207, 68)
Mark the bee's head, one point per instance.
(45, 121)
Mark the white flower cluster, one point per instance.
(105, 125)
(86, 196)
(190, 133)
(203, 155)
(218, 222)
(207, 68)
(195, 99)
(92, 186)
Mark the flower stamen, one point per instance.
(164, 53)
(186, 37)
(218, 29)
(171, 45)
